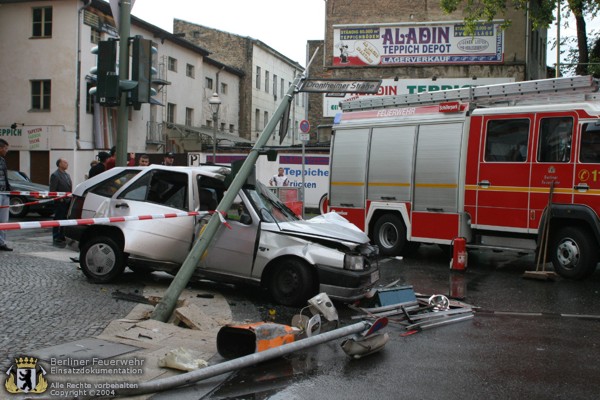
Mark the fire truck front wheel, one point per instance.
(389, 233)
(573, 253)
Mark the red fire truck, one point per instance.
(498, 165)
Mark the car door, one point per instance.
(157, 193)
(232, 250)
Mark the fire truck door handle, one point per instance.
(347, 204)
(435, 209)
(581, 186)
(484, 184)
(387, 198)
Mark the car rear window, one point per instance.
(110, 186)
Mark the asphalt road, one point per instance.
(528, 339)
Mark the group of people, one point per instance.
(106, 160)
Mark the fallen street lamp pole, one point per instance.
(241, 362)
(165, 308)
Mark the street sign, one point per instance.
(305, 137)
(340, 86)
(304, 126)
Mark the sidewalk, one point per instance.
(129, 349)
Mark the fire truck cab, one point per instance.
(507, 167)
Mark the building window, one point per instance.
(282, 83)
(189, 70)
(231, 128)
(266, 119)
(189, 116)
(42, 22)
(209, 123)
(223, 88)
(275, 86)
(257, 77)
(267, 81)
(95, 36)
(172, 64)
(222, 126)
(256, 120)
(208, 83)
(40, 95)
(171, 108)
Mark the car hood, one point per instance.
(28, 186)
(330, 226)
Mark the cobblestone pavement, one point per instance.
(45, 300)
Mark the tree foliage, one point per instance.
(541, 14)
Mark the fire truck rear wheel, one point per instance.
(389, 234)
(573, 253)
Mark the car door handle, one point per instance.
(124, 205)
(581, 186)
(484, 184)
(387, 198)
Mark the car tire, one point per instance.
(292, 283)
(389, 234)
(573, 253)
(102, 260)
(17, 209)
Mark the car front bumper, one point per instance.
(347, 286)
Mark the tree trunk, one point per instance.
(576, 7)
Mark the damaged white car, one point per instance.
(265, 243)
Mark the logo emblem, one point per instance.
(26, 377)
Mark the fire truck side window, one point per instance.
(590, 143)
(555, 139)
(506, 140)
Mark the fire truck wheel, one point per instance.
(573, 253)
(292, 283)
(101, 260)
(389, 234)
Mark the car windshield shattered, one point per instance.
(269, 207)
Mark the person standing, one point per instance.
(280, 179)
(4, 187)
(100, 167)
(169, 159)
(144, 160)
(112, 160)
(60, 181)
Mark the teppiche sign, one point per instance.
(340, 86)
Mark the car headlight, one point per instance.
(354, 262)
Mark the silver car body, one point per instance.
(261, 236)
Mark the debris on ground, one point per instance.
(411, 311)
(182, 359)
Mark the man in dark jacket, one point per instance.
(60, 181)
(4, 187)
(100, 167)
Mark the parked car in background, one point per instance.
(266, 244)
(19, 181)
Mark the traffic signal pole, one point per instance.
(165, 308)
(123, 113)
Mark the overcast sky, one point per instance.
(284, 25)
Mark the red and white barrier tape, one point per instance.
(106, 220)
(31, 203)
(37, 194)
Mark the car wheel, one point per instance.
(101, 260)
(389, 234)
(17, 209)
(573, 253)
(292, 283)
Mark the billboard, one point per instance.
(417, 43)
(391, 87)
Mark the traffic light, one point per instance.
(142, 55)
(107, 88)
